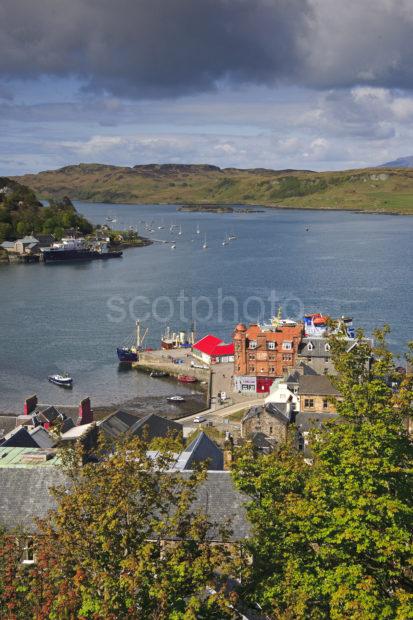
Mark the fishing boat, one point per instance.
(61, 380)
(175, 399)
(198, 229)
(225, 242)
(205, 245)
(129, 353)
(173, 246)
(231, 237)
(187, 379)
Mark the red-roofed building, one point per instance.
(213, 350)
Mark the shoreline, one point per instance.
(143, 405)
(182, 207)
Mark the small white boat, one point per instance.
(205, 245)
(62, 380)
(176, 399)
(180, 230)
(198, 230)
(231, 237)
(173, 246)
(225, 242)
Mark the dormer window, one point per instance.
(252, 344)
(271, 346)
(310, 346)
(287, 345)
(327, 347)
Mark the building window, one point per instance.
(28, 551)
(251, 356)
(309, 403)
(271, 346)
(287, 345)
(326, 359)
(252, 368)
(310, 346)
(327, 347)
(287, 357)
(272, 358)
(285, 370)
(272, 369)
(325, 403)
(252, 344)
(270, 430)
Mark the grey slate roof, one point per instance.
(42, 437)
(18, 438)
(280, 411)
(262, 442)
(317, 385)
(24, 495)
(314, 347)
(201, 449)
(296, 374)
(306, 421)
(153, 425)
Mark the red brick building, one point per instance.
(264, 353)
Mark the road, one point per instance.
(222, 412)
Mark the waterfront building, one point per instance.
(213, 350)
(263, 353)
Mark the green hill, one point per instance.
(375, 189)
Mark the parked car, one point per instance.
(199, 419)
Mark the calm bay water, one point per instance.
(71, 317)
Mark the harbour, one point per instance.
(70, 318)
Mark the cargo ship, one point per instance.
(76, 249)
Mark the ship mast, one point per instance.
(138, 334)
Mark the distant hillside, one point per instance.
(401, 162)
(388, 190)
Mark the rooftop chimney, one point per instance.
(228, 450)
(85, 412)
(30, 404)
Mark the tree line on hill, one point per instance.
(330, 540)
(22, 214)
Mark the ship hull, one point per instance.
(126, 355)
(50, 256)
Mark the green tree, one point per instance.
(343, 547)
(125, 543)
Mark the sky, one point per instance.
(308, 84)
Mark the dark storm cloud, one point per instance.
(152, 47)
(161, 48)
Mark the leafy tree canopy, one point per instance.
(334, 539)
(124, 543)
(22, 214)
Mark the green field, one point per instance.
(377, 189)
